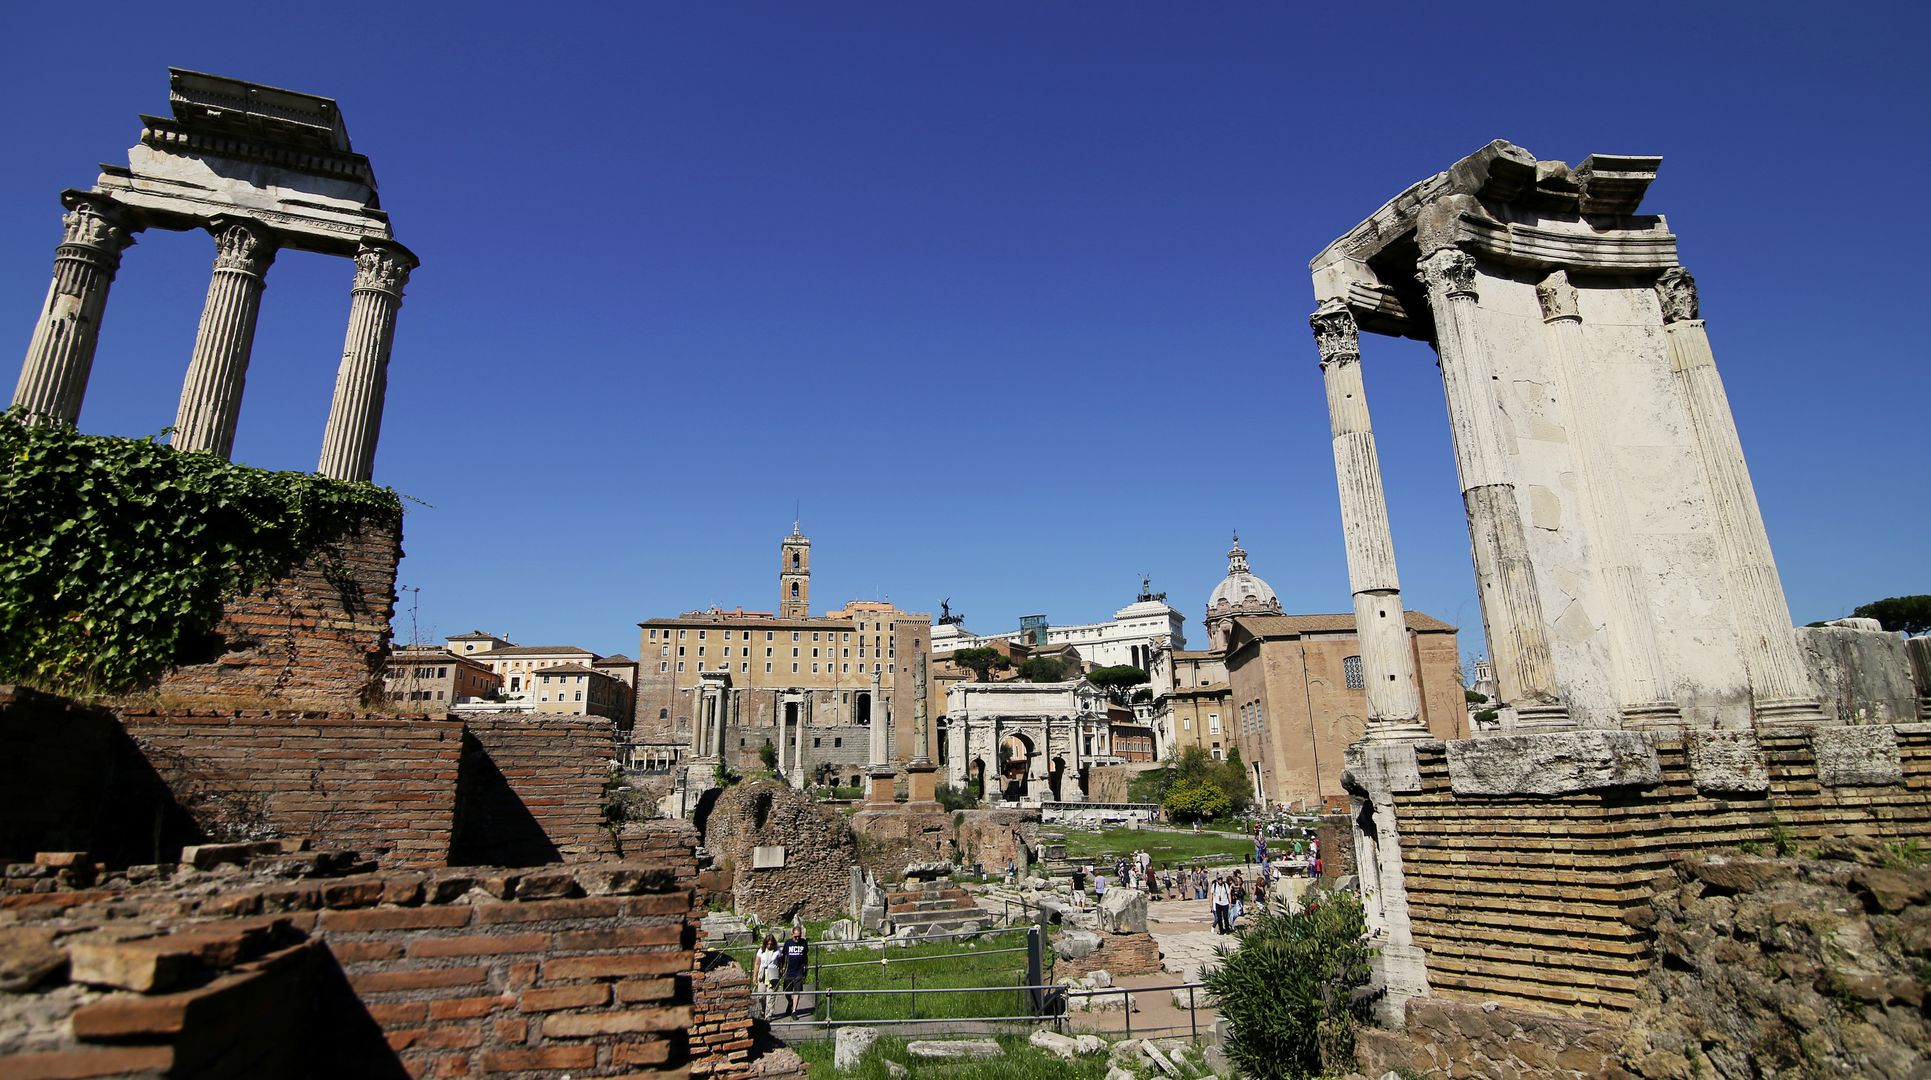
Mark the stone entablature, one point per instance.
(260, 169)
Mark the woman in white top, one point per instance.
(769, 957)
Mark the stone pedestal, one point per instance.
(211, 395)
(883, 789)
(53, 379)
(921, 784)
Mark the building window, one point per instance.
(579, 695)
(700, 635)
(767, 667)
(836, 743)
(744, 669)
(1351, 667)
(815, 743)
(1186, 723)
(767, 635)
(794, 635)
(1213, 725)
(680, 635)
(794, 667)
(662, 666)
(680, 665)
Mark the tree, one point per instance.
(1232, 778)
(981, 660)
(1902, 614)
(1115, 680)
(1196, 802)
(1288, 991)
(1143, 696)
(768, 754)
(1042, 669)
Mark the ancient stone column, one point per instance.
(1779, 682)
(1387, 663)
(355, 416)
(53, 378)
(1642, 687)
(881, 747)
(798, 749)
(1511, 607)
(921, 737)
(211, 395)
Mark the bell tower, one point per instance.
(794, 576)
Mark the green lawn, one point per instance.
(1021, 1061)
(941, 965)
(1166, 847)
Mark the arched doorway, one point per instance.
(1015, 763)
(1056, 779)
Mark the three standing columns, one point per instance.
(1779, 682)
(355, 416)
(1511, 607)
(211, 395)
(54, 378)
(1387, 664)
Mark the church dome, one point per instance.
(1240, 591)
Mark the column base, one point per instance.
(1652, 716)
(1790, 711)
(1407, 730)
(883, 792)
(921, 782)
(1550, 717)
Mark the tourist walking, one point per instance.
(766, 970)
(1079, 887)
(1221, 902)
(797, 955)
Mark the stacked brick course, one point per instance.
(379, 784)
(532, 789)
(583, 970)
(1540, 902)
(316, 635)
(721, 1040)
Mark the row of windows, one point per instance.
(415, 695)
(745, 669)
(769, 635)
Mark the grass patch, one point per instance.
(938, 966)
(1166, 847)
(1021, 1061)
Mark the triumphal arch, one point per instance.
(259, 169)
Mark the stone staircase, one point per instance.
(930, 908)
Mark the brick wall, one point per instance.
(532, 789)
(1539, 902)
(379, 784)
(721, 1039)
(317, 635)
(582, 970)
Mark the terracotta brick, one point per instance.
(467, 1008)
(655, 1052)
(548, 1057)
(577, 1025)
(631, 990)
(622, 937)
(602, 907)
(511, 1031)
(380, 981)
(563, 997)
(675, 903)
(401, 1012)
(599, 967)
(453, 1037)
(480, 945)
(435, 918)
(522, 974)
(87, 1062)
(352, 952)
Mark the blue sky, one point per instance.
(1011, 299)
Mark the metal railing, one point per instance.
(1056, 1013)
(1126, 1004)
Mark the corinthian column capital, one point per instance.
(95, 226)
(1449, 270)
(1676, 290)
(1335, 333)
(243, 246)
(383, 267)
(1558, 297)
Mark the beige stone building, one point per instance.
(431, 678)
(1298, 696)
(804, 683)
(476, 641)
(1195, 710)
(578, 690)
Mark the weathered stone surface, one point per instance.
(815, 881)
(1552, 763)
(1729, 762)
(146, 967)
(1076, 944)
(1731, 873)
(1856, 756)
(952, 1049)
(1862, 673)
(1124, 911)
(1055, 1044)
(27, 956)
(852, 1046)
(896, 1071)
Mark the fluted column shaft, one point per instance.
(1511, 607)
(798, 750)
(1779, 681)
(1642, 688)
(53, 377)
(880, 734)
(355, 415)
(1387, 664)
(211, 394)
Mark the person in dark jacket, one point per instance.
(797, 957)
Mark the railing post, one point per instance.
(1126, 1010)
(914, 973)
(1193, 1018)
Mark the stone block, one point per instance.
(1552, 763)
(27, 957)
(953, 1049)
(1728, 762)
(1055, 1044)
(145, 967)
(1862, 673)
(1124, 911)
(767, 857)
(1076, 944)
(1856, 756)
(853, 1043)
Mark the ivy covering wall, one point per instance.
(116, 555)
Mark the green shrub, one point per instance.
(1487, 716)
(1475, 697)
(1288, 990)
(1196, 802)
(955, 797)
